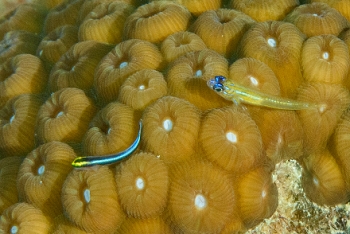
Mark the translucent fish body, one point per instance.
(241, 94)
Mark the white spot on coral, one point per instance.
(198, 73)
(140, 183)
(325, 55)
(142, 87)
(253, 80)
(93, 15)
(279, 139)
(263, 194)
(168, 125)
(14, 229)
(87, 195)
(200, 202)
(315, 180)
(231, 136)
(272, 42)
(322, 108)
(41, 170)
(59, 114)
(12, 118)
(123, 64)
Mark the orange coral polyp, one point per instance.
(113, 129)
(257, 196)
(264, 10)
(211, 25)
(201, 198)
(18, 42)
(316, 19)
(125, 59)
(322, 179)
(320, 123)
(178, 44)
(24, 218)
(156, 20)
(171, 128)
(90, 200)
(142, 184)
(41, 176)
(254, 74)
(342, 6)
(278, 45)
(64, 14)
(231, 139)
(98, 23)
(28, 17)
(281, 132)
(57, 43)
(21, 74)
(17, 125)
(143, 88)
(325, 58)
(76, 67)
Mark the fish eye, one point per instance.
(218, 87)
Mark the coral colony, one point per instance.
(240, 111)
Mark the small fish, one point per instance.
(88, 161)
(238, 93)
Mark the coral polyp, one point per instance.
(90, 203)
(257, 196)
(201, 198)
(171, 126)
(231, 139)
(209, 116)
(139, 181)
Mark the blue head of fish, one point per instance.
(216, 83)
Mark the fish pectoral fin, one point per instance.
(236, 100)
